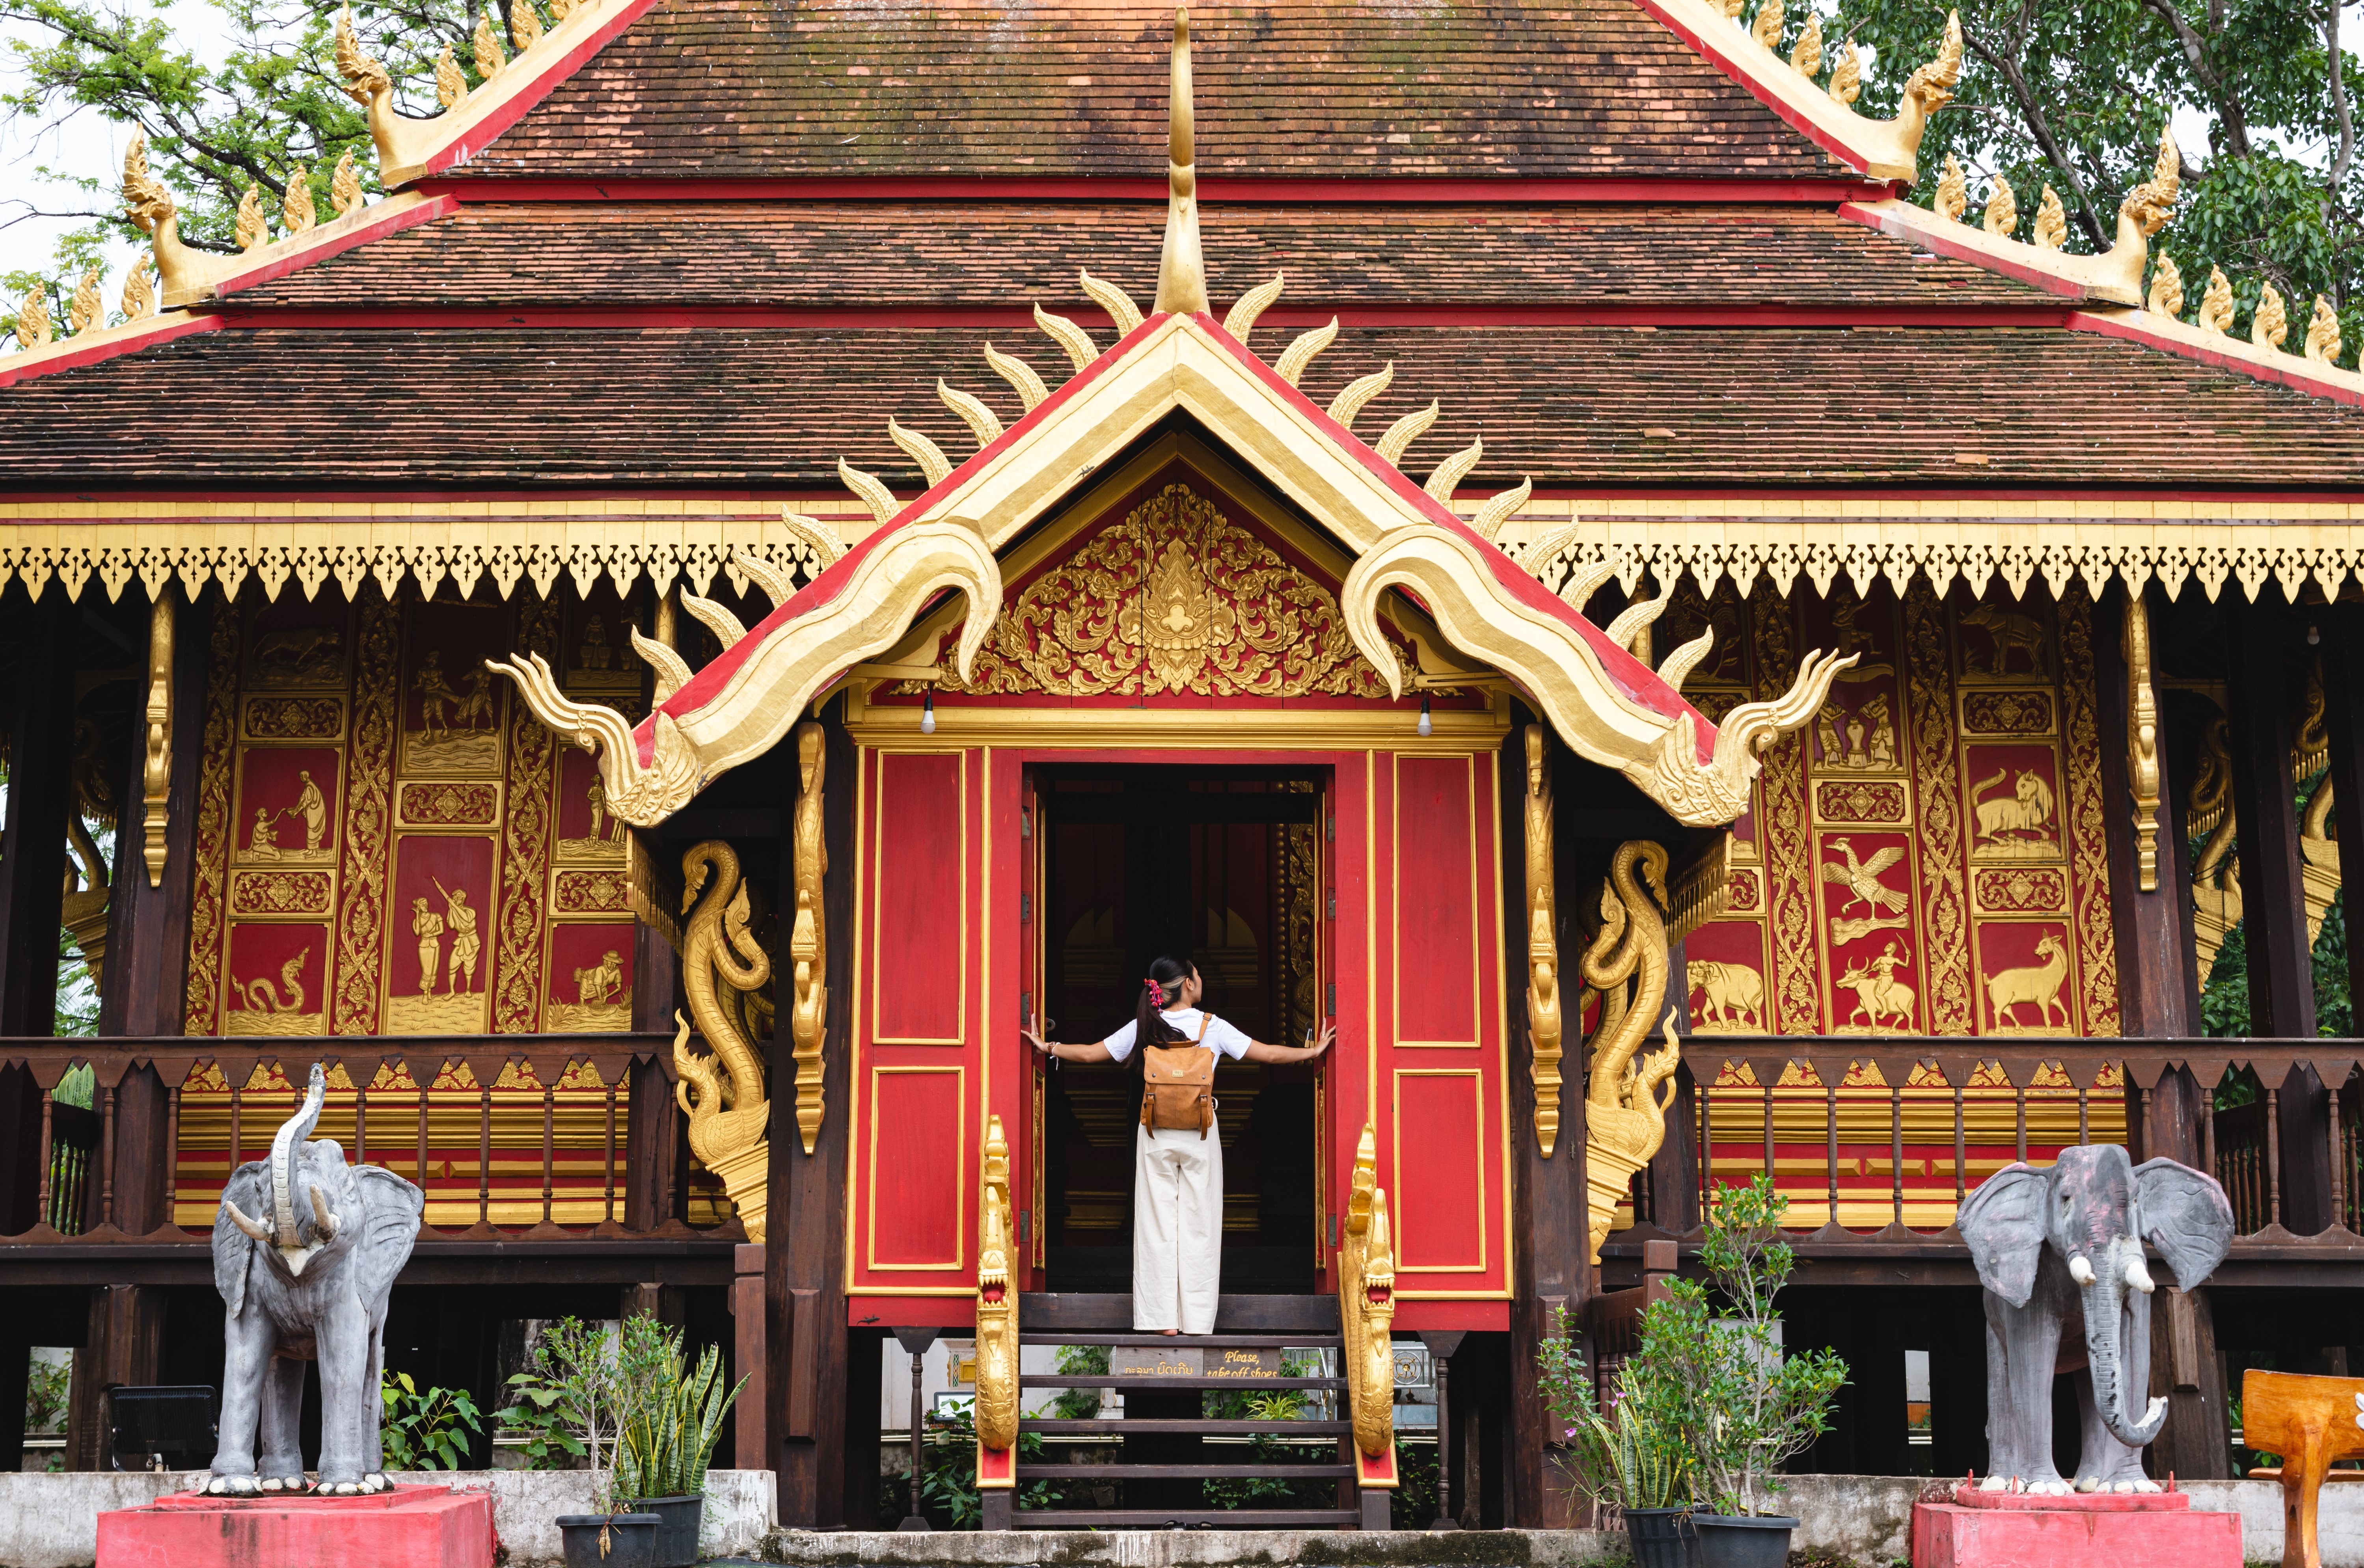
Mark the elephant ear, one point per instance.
(2003, 1224)
(233, 1247)
(393, 1208)
(2186, 1216)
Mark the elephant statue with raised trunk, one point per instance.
(305, 1249)
(2067, 1290)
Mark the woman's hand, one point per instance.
(1281, 1055)
(1329, 1036)
(1029, 1031)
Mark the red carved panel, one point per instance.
(920, 1170)
(1436, 857)
(918, 929)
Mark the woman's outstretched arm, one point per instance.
(1090, 1050)
(1258, 1052)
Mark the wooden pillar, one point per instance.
(148, 930)
(1674, 1170)
(2153, 991)
(41, 798)
(808, 1386)
(2265, 648)
(1547, 1212)
(126, 1329)
(657, 1159)
(750, 1438)
(2196, 1442)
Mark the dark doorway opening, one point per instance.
(1222, 866)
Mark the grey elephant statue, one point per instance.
(307, 1280)
(2060, 1253)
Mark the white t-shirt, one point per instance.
(1220, 1036)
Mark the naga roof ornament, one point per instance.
(860, 603)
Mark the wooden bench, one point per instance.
(2311, 1422)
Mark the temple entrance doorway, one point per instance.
(1225, 866)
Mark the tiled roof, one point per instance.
(948, 254)
(1613, 406)
(741, 90)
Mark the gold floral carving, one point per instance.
(1847, 800)
(525, 834)
(2318, 850)
(722, 1094)
(280, 893)
(590, 892)
(207, 923)
(997, 1301)
(1366, 1304)
(809, 940)
(295, 718)
(1936, 779)
(369, 814)
(2023, 891)
(2007, 713)
(156, 765)
(1175, 598)
(1544, 1015)
(904, 570)
(1789, 853)
(1744, 894)
(452, 804)
(1624, 1118)
(2142, 741)
(2088, 852)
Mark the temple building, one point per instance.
(790, 543)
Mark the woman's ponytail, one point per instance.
(1162, 986)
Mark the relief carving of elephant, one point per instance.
(308, 1280)
(2060, 1253)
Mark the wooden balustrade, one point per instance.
(1874, 1138)
(538, 1137)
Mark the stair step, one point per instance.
(1311, 1472)
(1158, 1518)
(1127, 1380)
(1209, 1427)
(1112, 1313)
(1187, 1341)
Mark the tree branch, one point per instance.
(2228, 108)
(2039, 124)
(2339, 106)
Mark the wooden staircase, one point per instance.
(1243, 1323)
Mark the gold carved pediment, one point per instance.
(1175, 598)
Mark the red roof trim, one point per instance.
(2284, 370)
(1441, 314)
(1152, 192)
(340, 242)
(476, 137)
(165, 328)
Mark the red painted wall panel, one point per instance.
(1436, 983)
(919, 1159)
(1438, 1203)
(921, 857)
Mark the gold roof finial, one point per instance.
(1182, 269)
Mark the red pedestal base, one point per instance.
(2121, 1529)
(410, 1527)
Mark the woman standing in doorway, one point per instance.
(1177, 1210)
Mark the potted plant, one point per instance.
(669, 1434)
(584, 1375)
(1630, 1456)
(1712, 1363)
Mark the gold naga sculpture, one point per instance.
(723, 1093)
(1366, 1304)
(1544, 1020)
(997, 1303)
(1897, 146)
(2318, 850)
(1624, 1118)
(185, 274)
(808, 934)
(2216, 874)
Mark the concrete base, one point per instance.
(410, 1527)
(1199, 1549)
(2004, 1529)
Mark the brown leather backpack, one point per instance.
(1178, 1084)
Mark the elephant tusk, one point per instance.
(251, 1226)
(2081, 1270)
(2138, 1276)
(322, 1216)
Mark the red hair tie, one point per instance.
(1156, 993)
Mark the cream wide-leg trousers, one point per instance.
(1178, 1229)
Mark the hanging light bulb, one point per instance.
(928, 714)
(1426, 728)
(2314, 636)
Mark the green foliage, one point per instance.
(2075, 96)
(949, 1491)
(583, 1388)
(77, 1086)
(1080, 1361)
(1709, 1408)
(48, 1386)
(674, 1422)
(420, 1427)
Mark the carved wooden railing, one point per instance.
(512, 1137)
(1880, 1140)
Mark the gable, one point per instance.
(700, 90)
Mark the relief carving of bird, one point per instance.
(1862, 877)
